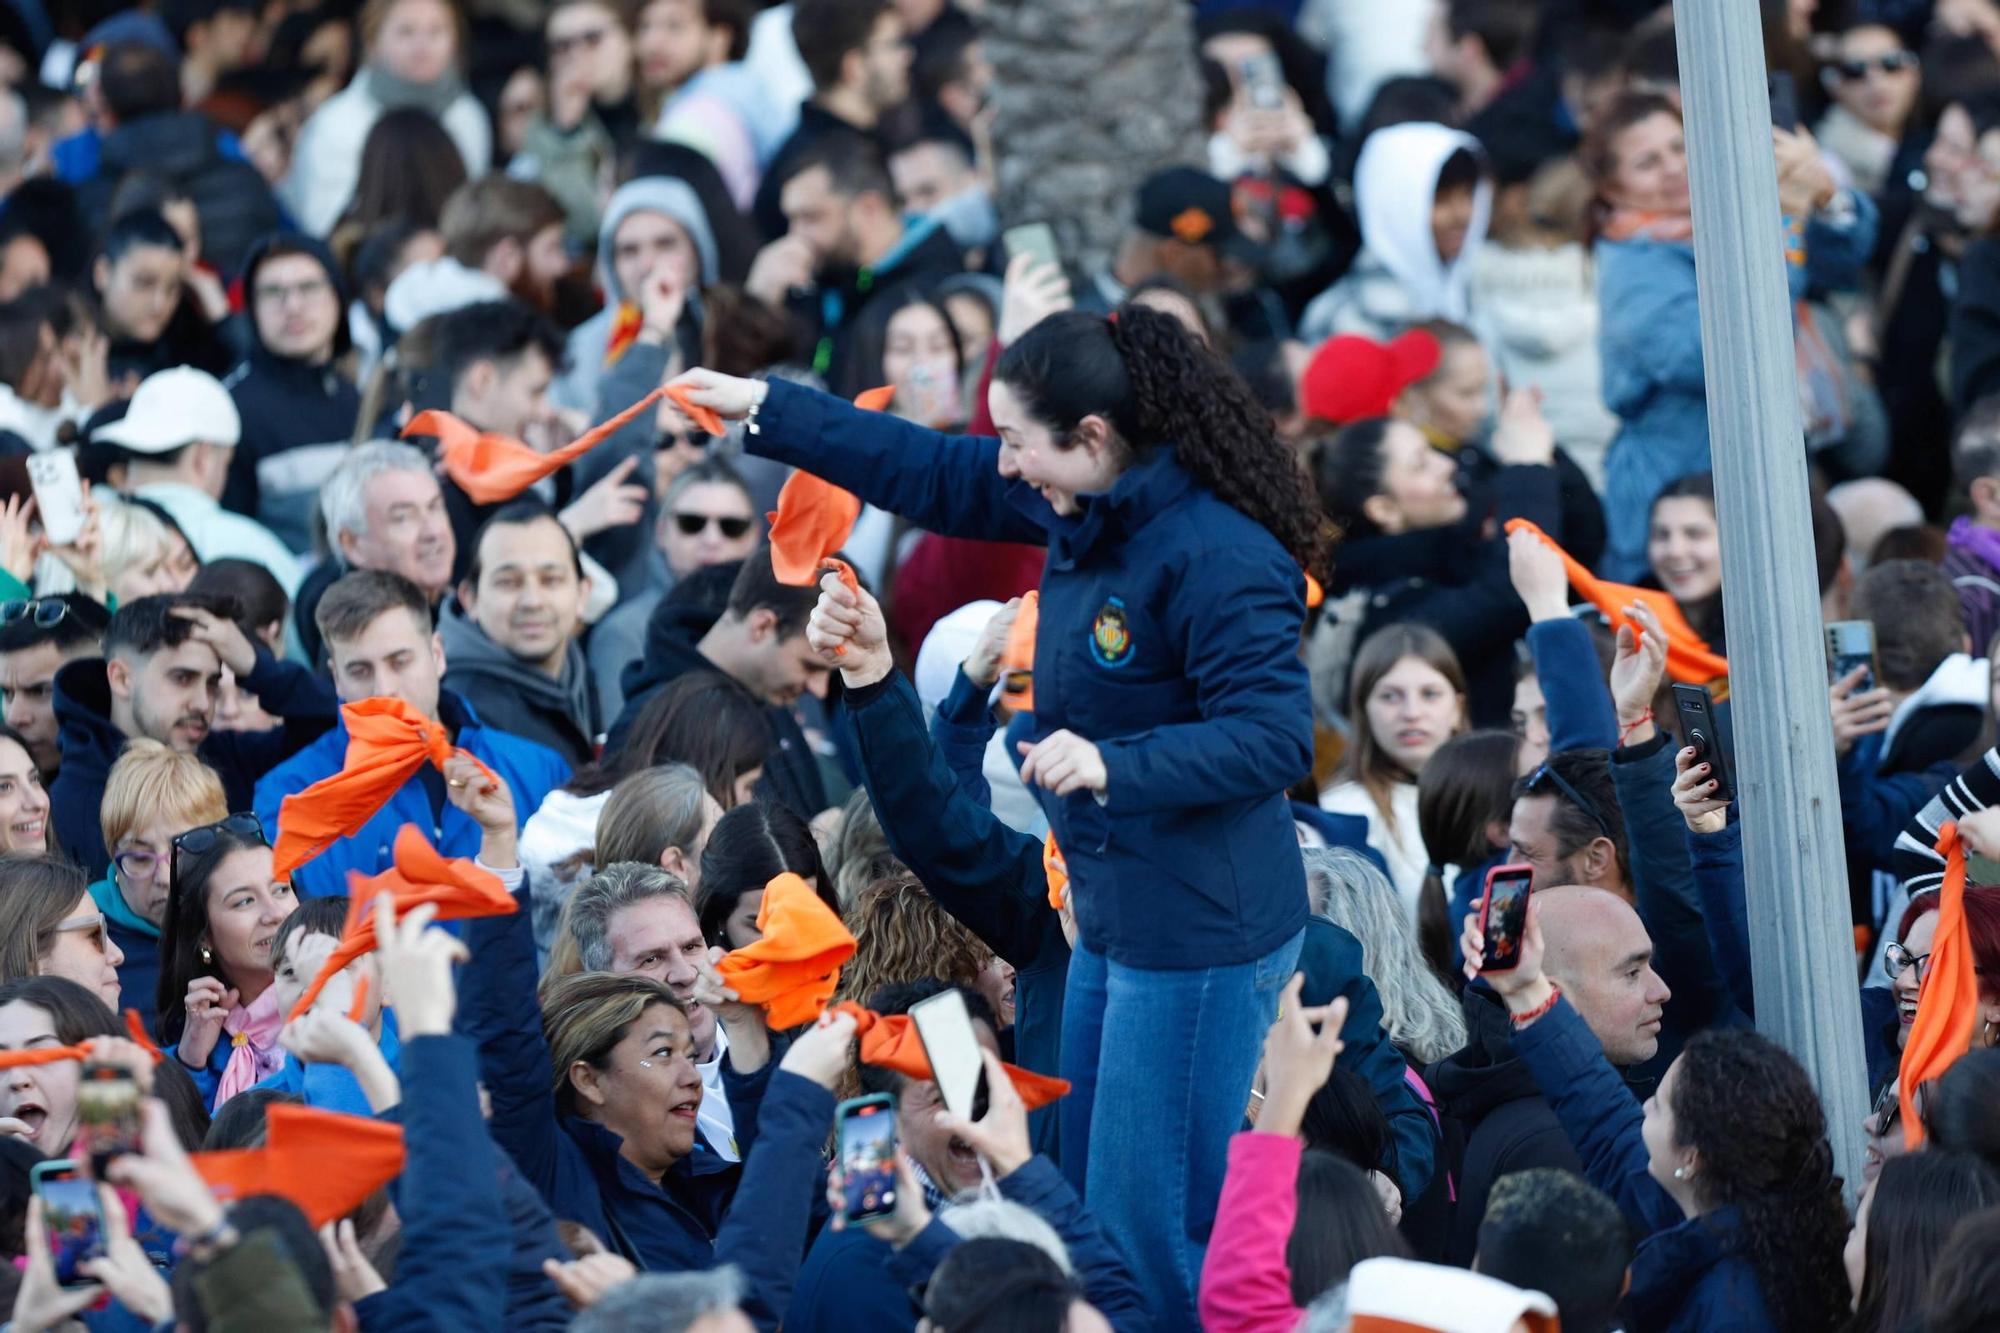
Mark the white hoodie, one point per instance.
(1399, 279)
(1960, 679)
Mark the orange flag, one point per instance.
(1948, 1003)
(891, 1042)
(1689, 658)
(1017, 655)
(1056, 870)
(326, 1163)
(387, 742)
(793, 969)
(419, 875)
(814, 519)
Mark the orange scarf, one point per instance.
(891, 1042)
(387, 742)
(1948, 1003)
(1056, 870)
(459, 888)
(328, 1164)
(491, 468)
(1689, 658)
(793, 970)
(1629, 224)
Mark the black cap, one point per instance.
(1192, 206)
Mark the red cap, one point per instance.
(1351, 378)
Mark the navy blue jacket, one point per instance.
(986, 875)
(90, 746)
(530, 771)
(1169, 636)
(853, 1283)
(452, 1267)
(1688, 1276)
(702, 1212)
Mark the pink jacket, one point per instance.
(1246, 1286)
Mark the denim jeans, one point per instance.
(1160, 1064)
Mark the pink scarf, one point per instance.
(253, 1036)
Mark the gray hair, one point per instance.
(1418, 1011)
(585, 936)
(343, 500)
(973, 1216)
(662, 1302)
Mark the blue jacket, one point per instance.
(985, 874)
(702, 1212)
(139, 940)
(1688, 1276)
(90, 745)
(853, 1283)
(530, 771)
(329, 1086)
(1169, 636)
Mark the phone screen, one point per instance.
(71, 1218)
(945, 1028)
(107, 1109)
(868, 1158)
(1505, 917)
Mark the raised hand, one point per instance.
(1640, 662)
(1299, 1051)
(416, 963)
(1001, 1135)
(1692, 788)
(208, 1003)
(982, 664)
(1857, 714)
(1033, 291)
(726, 395)
(614, 500)
(847, 628)
(1540, 580)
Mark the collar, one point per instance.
(1146, 489)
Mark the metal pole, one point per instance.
(1793, 860)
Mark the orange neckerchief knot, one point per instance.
(1689, 658)
(459, 888)
(1948, 1003)
(1017, 655)
(793, 970)
(387, 742)
(1056, 870)
(890, 1041)
(324, 1162)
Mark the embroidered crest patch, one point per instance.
(1111, 635)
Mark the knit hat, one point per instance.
(1351, 378)
(1402, 1296)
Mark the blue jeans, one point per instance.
(1172, 1081)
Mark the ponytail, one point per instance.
(1145, 374)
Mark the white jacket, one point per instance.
(1367, 43)
(326, 161)
(1402, 847)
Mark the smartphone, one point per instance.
(1503, 916)
(58, 494)
(1263, 81)
(865, 1132)
(1784, 100)
(107, 1110)
(1851, 644)
(71, 1217)
(1033, 238)
(945, 1028)
(1698, 729)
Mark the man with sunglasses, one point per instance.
(37, 639)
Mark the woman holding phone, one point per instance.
(1172, 712)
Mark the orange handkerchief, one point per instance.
(793, 970)
(326, 1163)
(1948, 1004)
(891, 1042)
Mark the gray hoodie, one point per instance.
(516, 697)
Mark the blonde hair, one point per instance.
(902, 935)
(153, 781)
(376, 12)
(584, 1016)
(127, 534)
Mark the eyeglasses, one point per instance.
(1575, 797)
(1892, 62)
(199, 840)
(279, 294)
(1897, 960)
(137, 865)
(93, 925)
(46, 612)
(693, 525)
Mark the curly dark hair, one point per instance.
(1144, 373)
(1747, 1108)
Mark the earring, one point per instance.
(206, 956)
(1988, 1035)
(1680, 1173)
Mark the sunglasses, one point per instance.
(1575, 797)
(93, 925)
(1850, 71)
(693, 525)
(199, 840)
(46, 612)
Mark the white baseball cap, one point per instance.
(173, 408)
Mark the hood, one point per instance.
(1960, 680)
(1470, 1084)
(292, 242)
(174, 144)
(1395, 184)
(469, 652)
(671, 636)
(82, 706)
(655, 194)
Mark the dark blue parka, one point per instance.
(1169, 637)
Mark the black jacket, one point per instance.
(815, 123)
(516, 697)
(298, 419)
(791, 773)
(829, 318)
(235, 203)
(1504, 1121)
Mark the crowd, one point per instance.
(563, 581)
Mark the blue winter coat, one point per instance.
(530, 771)
(139, 940)
(1169, 636)
(1688, 1276)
